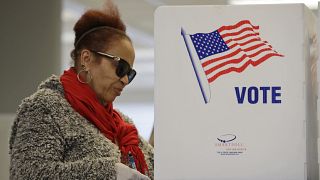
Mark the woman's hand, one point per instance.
(126, 173)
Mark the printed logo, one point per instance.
(227, 145)
(228, 49)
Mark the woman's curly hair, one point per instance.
(112, 28)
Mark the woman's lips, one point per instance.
(118, 91)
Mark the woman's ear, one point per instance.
(86, 58)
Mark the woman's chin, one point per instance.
(109, 99)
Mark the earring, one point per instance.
(88, 74)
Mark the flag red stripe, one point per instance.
(236, 61)
(259, 52)
(222, 28)
(233, 45)
(220, 58)
(243, 37)
(238, 32)
(254, 47)
(246, 42)
(242, 68)
(232, 61)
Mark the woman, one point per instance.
(68, 129)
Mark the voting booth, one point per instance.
(236, 92)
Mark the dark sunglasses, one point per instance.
(123, 67)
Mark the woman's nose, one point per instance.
(125, 80)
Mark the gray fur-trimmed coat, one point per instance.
(49, 140)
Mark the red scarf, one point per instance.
(84, 100)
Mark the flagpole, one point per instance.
(193, 65)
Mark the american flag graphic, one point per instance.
(231, 49)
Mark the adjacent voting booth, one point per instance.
(236, 93)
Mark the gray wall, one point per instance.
(30, 42)
(29, 46)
